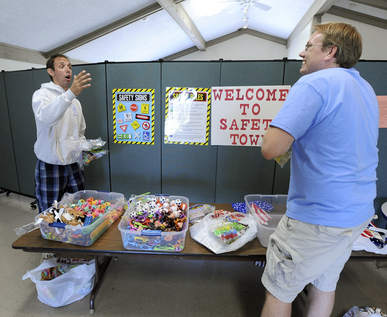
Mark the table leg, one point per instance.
(100, 269)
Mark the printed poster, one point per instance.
(382, 101)
(187, 115)
(133, 116)
(241, 115)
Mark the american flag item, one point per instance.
(263, 216)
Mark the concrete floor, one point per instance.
(167, 286)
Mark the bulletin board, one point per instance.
(133, 116)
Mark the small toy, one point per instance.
(230, 231)
(52, 272)
(155, 222)
(158, 214)
(376, 235)
(239, 207)
(80, 221)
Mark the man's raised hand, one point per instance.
(80, 82)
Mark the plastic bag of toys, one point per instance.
(90, 156)
(61, 284)
(75, 147)
(92, 150)
(224, 231)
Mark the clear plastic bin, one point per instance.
(279, 208)
(156, 240)
(85, 235)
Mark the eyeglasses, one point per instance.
(308, 45)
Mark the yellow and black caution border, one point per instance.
(206, 90)
(134, 90)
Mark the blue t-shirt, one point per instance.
(333, 116)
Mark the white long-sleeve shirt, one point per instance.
(60, 125)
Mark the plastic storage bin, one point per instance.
(279, 208)
(85, 235)
(154, 240)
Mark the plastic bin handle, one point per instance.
(151, 232)
(57, 225)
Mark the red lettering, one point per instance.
(239, 97)
(223, 124)
(217, 95)
(234, 125)
(283, 94)
(249, 90)
(255, 124)
(260, 94)
(271, 94)
(256, 109)
(254, 139)
(233, 137)
(243, 139)
(244, 123)
(244, 106)
(229, 94)
(267, 121)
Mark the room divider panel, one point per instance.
(8, 175)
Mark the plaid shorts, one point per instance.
(52, 181)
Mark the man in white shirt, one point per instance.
(60, 128)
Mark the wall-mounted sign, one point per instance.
(241, 115)
(187, 115)
(133, 116)
(382, 101)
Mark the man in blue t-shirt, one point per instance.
(330, 121)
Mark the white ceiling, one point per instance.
(145, 30)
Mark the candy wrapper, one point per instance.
(284, 158)
(224, 231)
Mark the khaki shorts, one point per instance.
(300, 253)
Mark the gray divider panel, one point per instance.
(375, 72)
(134, 168)
(19, 89)
(94, 107)
(189, 170)
(282, 175)
(243, 170)
(8, 175)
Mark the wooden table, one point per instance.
(110, 244)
